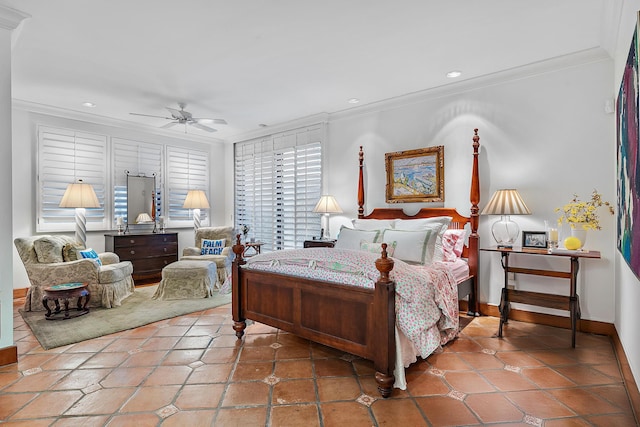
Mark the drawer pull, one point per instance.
(132, 241)
(133, 252)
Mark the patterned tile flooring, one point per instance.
(192, 371)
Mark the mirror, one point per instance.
(141, 206)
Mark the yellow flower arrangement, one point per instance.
(586, 213)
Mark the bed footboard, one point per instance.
(354, 320)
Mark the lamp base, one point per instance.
(505, 232)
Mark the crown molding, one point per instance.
(11, 18)
(533, 69)
(49, 110)
(281, 127)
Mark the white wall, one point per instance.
(543, 132)
(25, 170)
(627, 285)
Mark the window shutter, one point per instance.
(186, 170)
(136, 158)
(64, 156)
(278, 181)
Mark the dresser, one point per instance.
(148, 252)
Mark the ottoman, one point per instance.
(187, 279)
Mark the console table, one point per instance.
(148, 252)
(570, 303)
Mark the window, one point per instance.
(278, 181)
(186, 170)
(64, 156)
(134, 158)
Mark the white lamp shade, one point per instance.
(79, 195)
(196, 199)
(327, 205)
(506, 202)
(143, 218)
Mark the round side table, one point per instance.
(64, 292)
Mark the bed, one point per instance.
(355, 319)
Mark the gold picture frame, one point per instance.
(415, 175)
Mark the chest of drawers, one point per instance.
(148, 252)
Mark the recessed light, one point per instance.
(353, 101)
(88, 104)
(454, 74)
(262, 125)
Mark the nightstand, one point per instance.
(324, 243)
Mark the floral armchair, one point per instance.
(223, 260)
(51, 260)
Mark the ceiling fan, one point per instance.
(182, 117)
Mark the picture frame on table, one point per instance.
(534, 239)
(415, 175)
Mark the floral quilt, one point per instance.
(426, 296)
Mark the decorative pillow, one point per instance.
(376, 248)
(212, 247)
(411, 246)
(348, 238)
(48, 250)
(452, 244)
(91, 254)
(439, 224)
(373, 224)
(70, 251)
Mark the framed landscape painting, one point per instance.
(628, 161)
(415, 175)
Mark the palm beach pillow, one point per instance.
(91, 254)
(212, 247)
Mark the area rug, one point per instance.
(136, 310)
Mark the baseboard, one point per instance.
(8, 355)
(19, 292)
(627, 377)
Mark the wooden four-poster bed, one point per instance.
(356, 320)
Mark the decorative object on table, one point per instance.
(415, 175)
(144, 218)
(534, 239)
(245, 231)
(573, 243)
(196, 200)
(505, 202)
(80, 196)
(552, 236)
(327, 205)
(628, 201)
(582, 216)
(120, 224)
(161, 223)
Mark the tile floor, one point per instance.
(192, 371)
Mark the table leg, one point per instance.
(45, 302)
(574, 302)
(504, 298)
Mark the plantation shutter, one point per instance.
(186, 170)
(278, 181)
(136, 158)
(64, 156)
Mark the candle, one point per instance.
(553, 234)
(119, 220)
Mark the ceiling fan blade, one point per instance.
(207, 120)
(149, 115)
(178, 114)
(169, 125)
(202, 127)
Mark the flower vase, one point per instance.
(580, 233)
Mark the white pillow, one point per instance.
(348, 238)
(373, 224)
(439, 224)
(411, 246)
(376, 248)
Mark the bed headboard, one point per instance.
(459, 221)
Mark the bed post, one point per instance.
(385, 321)
(239, 323)
(360, 185)
(474, 244)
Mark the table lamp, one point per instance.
(327, 205)
(196, 200)
(505, 203)
(80, 196)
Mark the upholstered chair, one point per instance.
(223, 260)
(51, 260)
